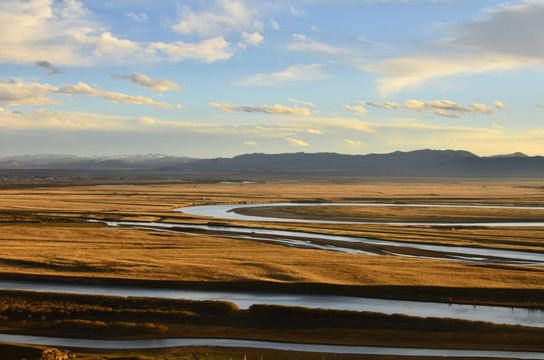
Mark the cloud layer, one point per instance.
(276, 109)
(146, 82)
(445, 108)
(31, 31)
(13, 93)
(509, 38)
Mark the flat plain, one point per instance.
(55, 232)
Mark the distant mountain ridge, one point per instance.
(151, 161)
(413, 163)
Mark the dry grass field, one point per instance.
(44, 231)
(45, 234)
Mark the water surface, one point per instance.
(494, 314)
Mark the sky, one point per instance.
(219, 78)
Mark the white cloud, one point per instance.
(147, 120)
(358, 109)
(297, 142)
(446, 108)
(210, 50)
(274, 24)
(294, 73)
(266, 109)
(223, 17)
(141, 17)
(510, 38)
(314, 131)
(84, 89)
(384, 105)
(252, 143)
(254, 39)
(409, 73)
(307, 103)
(14, 93)
(303, 43)
(353, 142)
(64, 33)
(146, 82)
(499, 105)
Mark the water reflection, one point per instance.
(494, 314)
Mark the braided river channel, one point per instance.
(494, 314)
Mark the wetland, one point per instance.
(62, 234)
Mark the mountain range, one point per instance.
(413, 163)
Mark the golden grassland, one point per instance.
(45, 234)
(40, 233)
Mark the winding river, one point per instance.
(228, 212)
(354, 244)
(500, 315)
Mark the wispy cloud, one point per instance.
(13, 93)
(84, 89)
(307, 103)
(274, 24)
(355, 143)
(222, 17)
(509, 38)
(314, 131)
(383, 105)
(276, 109)
(409, 73)
(293, 73)
(141, 17)
(146, 82)
(446, 108)
(303, 43)
(357, 109)
(297, 142)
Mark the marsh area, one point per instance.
(62, 234)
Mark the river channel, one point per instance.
(494, 314)
(229, 212)
(315, 348)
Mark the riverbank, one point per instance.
(110, 317)
(505, 297)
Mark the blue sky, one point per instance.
(215, 78)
